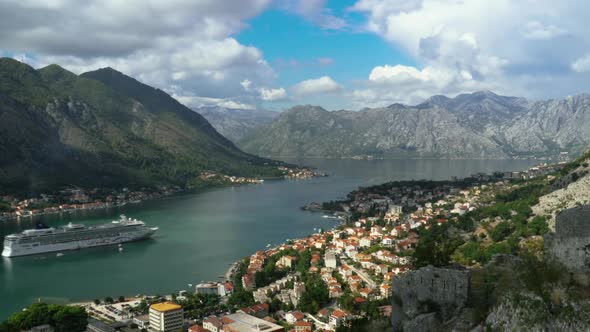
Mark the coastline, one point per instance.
(146, 196)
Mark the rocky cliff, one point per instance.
(236, 124)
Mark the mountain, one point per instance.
(477, 125)
(235, 124)
(103, 128)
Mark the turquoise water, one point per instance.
(202, 234)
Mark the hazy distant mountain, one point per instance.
(235, 124)
(478, 125)
(103, 128)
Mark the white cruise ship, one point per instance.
(75, 236)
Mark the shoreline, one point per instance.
(157, 196)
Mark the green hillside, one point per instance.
(103, 128)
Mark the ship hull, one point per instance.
(17, 251)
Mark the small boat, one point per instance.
(59, 254)
(120, 248)
(268, 245)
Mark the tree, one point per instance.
(70, 319)
(121, 298)
(435, 247)
(240, 299)
(108, 300)
(501, 231)
(96, 301)
(62, 318)
(315, 296)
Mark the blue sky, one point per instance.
(273, 54)
(293, 45)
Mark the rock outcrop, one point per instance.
(570, 244)
(429, 296)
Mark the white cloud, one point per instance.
(246, 84)
(513, 47)
(582, 64)
(316, 12)
(273, 94)
(196, 102)
(537, 30)
(185, 47)
(324, 84)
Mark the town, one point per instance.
(327, 281)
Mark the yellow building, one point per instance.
(166, 316)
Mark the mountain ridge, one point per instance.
(104, 128)
(477, 125)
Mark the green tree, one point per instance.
(501, 231)
(435, 246)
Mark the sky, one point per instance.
(339, 54)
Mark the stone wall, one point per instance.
(570, 244)
(444, 290)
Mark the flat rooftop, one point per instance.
(246, 323)
(165, 306)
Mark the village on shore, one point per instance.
(71, 200)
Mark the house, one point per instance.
(335, 291)
(303, 326)
(286, 261)
(395, 209)
(365, 292)
(142, 321)
(294, 316)
(248, 281)
(323, 315)
(365, 242)
(213, 324)
(197, 328)
(257, 310)
(225, 289)
(385, 290)
(338, 317)
(387, 241)
(376, 230)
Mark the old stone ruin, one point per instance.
(429, 296)
(570, 244)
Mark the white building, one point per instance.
(395, 209)
(207, 288)
(330, 260)
(166, 316)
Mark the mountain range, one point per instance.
(235, 124)
(477, 125)
(103, 128)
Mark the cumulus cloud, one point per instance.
(582, 64)
(185, 47)
(316, 12)
(324, 84)
(537, 30)
(196, 102)
(513, 47)
(273, 94)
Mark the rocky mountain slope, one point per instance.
(103, 128)
(235, 124)
(478, 125)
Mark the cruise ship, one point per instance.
(74, 237)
